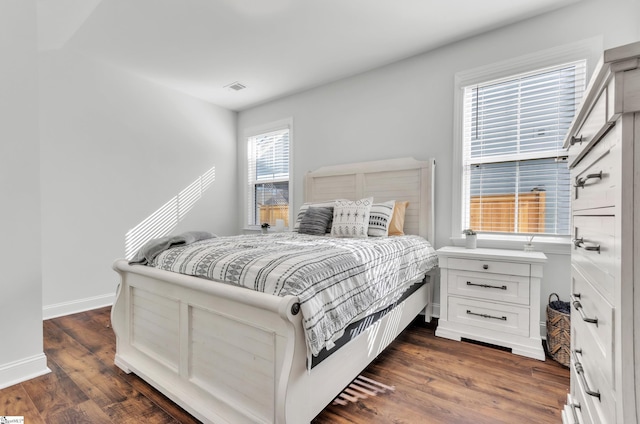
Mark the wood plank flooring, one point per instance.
(436, 381)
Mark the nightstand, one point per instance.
(492, 296)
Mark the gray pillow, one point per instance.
(316, 221)
(306, 206)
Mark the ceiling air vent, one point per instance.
(236, 86)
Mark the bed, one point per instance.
(231, 355)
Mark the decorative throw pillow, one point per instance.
(315, 221)
(380, 218)
(351, 219)
(396, 228)
(303, 209)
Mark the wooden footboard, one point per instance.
(231, 355)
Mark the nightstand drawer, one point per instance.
(489, 286)
(492, 316)
(489, 266)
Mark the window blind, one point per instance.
(268, 177)
(515, 171)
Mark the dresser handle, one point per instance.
(486, 286)
(486, 316)
(580, 182)
(485, 266)
(575, 140)
(578, 307)
(573, 407)
(579, 243)
(580, 371)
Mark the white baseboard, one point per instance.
(23, 370)
(75, 306)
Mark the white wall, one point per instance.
(406, 108)
(21, 352)
(114, 149)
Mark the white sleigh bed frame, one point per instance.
(231, 355)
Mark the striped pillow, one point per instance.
(303, 209)
(316, 221)
(380, 218)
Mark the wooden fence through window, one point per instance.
(498, 212)
(269, 213)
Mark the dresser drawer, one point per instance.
(589, 355)
(488, 266)
(595, 184)
(580, 416)
(492, 316)
(600, 410)
(594, 250)
(594, 122)
(594, 338)
(489, 286)
(578, 397)
(572, 414)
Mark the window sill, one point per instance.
(252, 230)
(551, 245)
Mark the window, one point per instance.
(268, 177)
(515, 176)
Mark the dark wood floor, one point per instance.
(436, 381)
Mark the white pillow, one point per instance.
(380, 218)
(351, 218)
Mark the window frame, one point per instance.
(284, 124)
(588, 50)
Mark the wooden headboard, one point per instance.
(393, 179)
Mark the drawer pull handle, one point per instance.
(486, 316)
(486, 286)
(580, 182)
(573, 407)
(575, 140)
(485, 266)
(578, 307)
(579, 243)
(580, 371)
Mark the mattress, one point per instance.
(360, 324)
(337, 280)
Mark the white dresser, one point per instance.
(604, 154)
(492, 296)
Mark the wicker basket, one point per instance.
(559, 330)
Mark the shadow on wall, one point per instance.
(164, 220)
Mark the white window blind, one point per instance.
(268, 177)
(515, 171)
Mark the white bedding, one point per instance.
(336, 279)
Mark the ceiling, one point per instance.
(273, 47)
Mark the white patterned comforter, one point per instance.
(336, 279)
